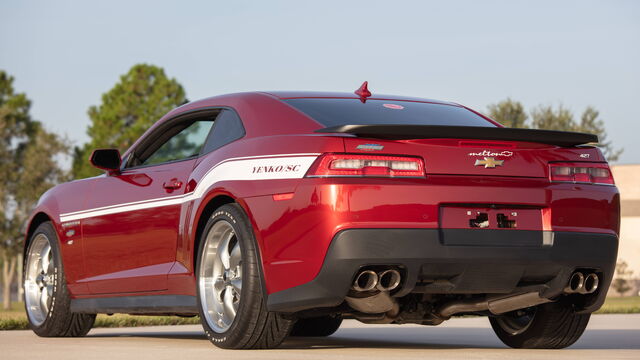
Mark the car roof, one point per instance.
(227, 99)
(269, 109)
(284, 95)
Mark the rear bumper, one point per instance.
(295, 235)
(448, 261)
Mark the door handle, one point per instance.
(172, 184)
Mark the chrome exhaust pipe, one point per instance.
(388, 280)
(365, 281)
(497, 305)
(591, 283)
(378, 303)
(576, 284)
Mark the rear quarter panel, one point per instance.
(246, 154)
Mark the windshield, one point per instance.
(335, 112)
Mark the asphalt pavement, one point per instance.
(607, 337)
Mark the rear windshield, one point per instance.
(335, 112)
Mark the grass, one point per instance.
(621, 305)
(15, 319)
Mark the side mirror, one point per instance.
(106, 159)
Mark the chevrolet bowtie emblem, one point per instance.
(489, 162)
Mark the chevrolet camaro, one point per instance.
(276, 214)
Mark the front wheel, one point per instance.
(46, 298)
(547, 326)
(230, 294)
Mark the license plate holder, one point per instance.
(493, 218)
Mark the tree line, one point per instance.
(30, 154)
(511, 113)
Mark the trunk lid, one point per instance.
(477, 157)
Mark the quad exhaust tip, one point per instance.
(388, 280)
(369, 280)
(576, 283)
(582, 284)
(365, 281)
(591, 283)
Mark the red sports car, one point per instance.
(275, 214)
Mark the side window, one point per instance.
(186, 142)
(228, 128)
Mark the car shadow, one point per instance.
(409, 338)
(178, 335)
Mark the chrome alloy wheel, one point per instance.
(220, 277)
(39, 279)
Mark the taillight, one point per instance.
(581, 172)
(354, 165)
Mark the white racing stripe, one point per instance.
(267, 167)
(125, 204)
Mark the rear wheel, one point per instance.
(46, 298)
(547, 326)
(317, 326)
(230, 294)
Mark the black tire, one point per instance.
(317, 326)
(59, 321)
(253, 326)
(552, 326)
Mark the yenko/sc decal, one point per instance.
(276, 169)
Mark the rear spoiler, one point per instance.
(405, 132)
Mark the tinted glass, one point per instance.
(227, 128)
(183, 145)
(334, 112)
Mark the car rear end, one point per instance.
(428, 206)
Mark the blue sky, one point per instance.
(65, 54)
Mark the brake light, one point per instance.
(354, 165)
(581, 172)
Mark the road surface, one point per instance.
(607, 337)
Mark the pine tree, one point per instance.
(141, 97)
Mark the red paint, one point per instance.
(280, 197)
(118, 245)
(363, 91)
(151, 251)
